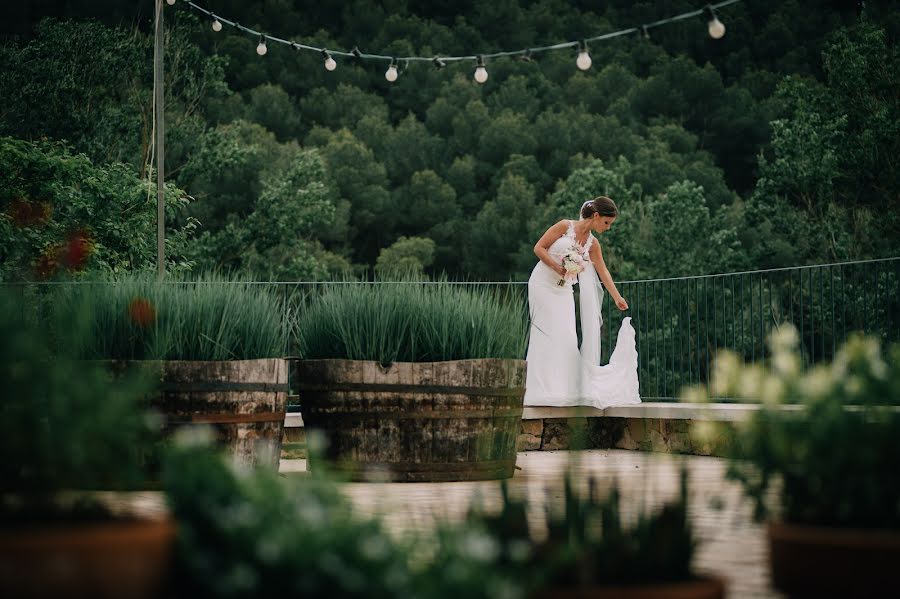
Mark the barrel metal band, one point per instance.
(226, 418)
(190, 387)
(398, 388)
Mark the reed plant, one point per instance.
(65, 428)
(139, 318)
(403, 321)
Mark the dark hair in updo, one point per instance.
(601, 205)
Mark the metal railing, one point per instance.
(681, 323)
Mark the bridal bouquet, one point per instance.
(573, 261)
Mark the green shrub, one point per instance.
(138, 318)
(258, 535)
(835, 461)
(64, 426)
(411, 322)
(588, 544)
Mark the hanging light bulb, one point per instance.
(216, 24)
(170, 2)
(645, 34)
(330, 63)
(261, 47)
(481, 74)
(391, 73)
(715, 26)
(438, 63)
(584, 59)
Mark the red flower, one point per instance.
(77, 250)
(141, 312)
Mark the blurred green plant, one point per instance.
(61, 214)
(140, 318)
(589, 544)
(833, 462)
(65, 427)
(411, 322)
(255, 534)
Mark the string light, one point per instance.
(391, 73)
(714, 25)
(330, 63)
(583, 61)
(170, 2)
(481, 74)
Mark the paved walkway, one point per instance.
(731, 545)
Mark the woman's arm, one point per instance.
(544, 243)
(597, 260)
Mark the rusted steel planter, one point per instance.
(415, 421)
(701, 588)
(819, 561)
(106, 559)
(243, 400)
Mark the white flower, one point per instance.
(786, 364)
(784, 339)
(480, 547)
(750, 382)
(726, 371)
(772, 390)
(817, 382)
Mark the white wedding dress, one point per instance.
(559, 372)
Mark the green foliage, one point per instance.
(139, 318)
(64, 425)
(61, 211)
(828, 184)
(91, 85)
(276, 239)
(258, 535)
(587, 542)
(835, 462)
(495, 246)
(411, 322)
(427, 156)
(405, 258)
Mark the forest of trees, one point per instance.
(777, 145)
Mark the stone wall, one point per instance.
(644, 434)
(668, 435)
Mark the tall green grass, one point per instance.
(143, 319)
(411, 322)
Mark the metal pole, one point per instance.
(160, 144)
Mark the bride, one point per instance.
(559, 373)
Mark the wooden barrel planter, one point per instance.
(243, 400)
(127, 559)
(415, 421)
(701, 588)
(820, 561)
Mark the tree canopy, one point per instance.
(774, 146)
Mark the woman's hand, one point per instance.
(621, 304)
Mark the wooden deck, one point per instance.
(731, 545)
